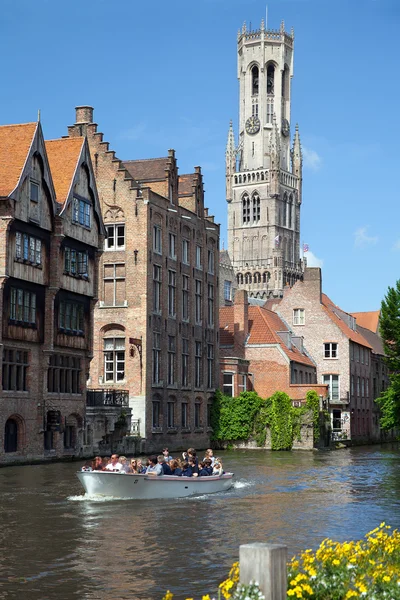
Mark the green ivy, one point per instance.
(312, 403)
(281, 422)
(233, 418)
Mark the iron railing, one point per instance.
(107, 398)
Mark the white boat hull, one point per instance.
(147, 487)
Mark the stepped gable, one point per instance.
(332, 310)
(368, 320)
(263, 329)
(15, 142)
(63, 155)
(186, 183)
(147, 170)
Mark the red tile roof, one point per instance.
(147, 169)
(368, 320)
(263, 329)
(15, 142)
(63, 155)
(330, 307)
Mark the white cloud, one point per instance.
(361, 239)
(311, 159)
(396, 245)
(312, 260)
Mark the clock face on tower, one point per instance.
(253, 125)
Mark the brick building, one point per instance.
(156, 321)
(258, 351)
(342, 354)
(51, 233)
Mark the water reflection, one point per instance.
(56, 543)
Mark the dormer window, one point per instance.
(81, 212)
(34, 192)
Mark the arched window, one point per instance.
(266, 276)
(257, 278)
(246, 208)
(11, 436)
(290, 210)
(239, 278)
(262, 176)
(247, 278)
(256, 208)
(284, 217)
(270, 79)
(254, 80)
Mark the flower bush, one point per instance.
(368, 569)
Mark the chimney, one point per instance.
(241, 317)
(84, 114)
(313, 281)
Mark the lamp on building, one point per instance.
(135, 252)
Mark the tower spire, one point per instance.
(230, 161)
(297, 155)
(274, 145)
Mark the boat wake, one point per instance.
(238, 485)
(95, 498)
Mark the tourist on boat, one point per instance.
(175, 468)
(154, 467)
(203, 472)
(194, 466)
(133, 466)
(140, 468)
(166, 455)
(208, 466)
(87, 466)
(192, 454)
(97, 463)
(164, 465)
(114, 465)
(218, 470)
(125, 465)
(106, 461)
(186, 470)
(210, 454)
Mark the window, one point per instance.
(34, 192)
(337, 420)
(209, 415)
(211, 262)
(358, 387)
(366, 357)
(185, 362)
(185, 298)
(254, 80)
(156, 288)
(352, 385)
(270, 79)
(75, 262)
(367, 388)
(171, 359)
(198, 302)
(227, 290)
(171, 415)
(156, 357)
(228, 384)
(198, 371)
(15, 369)
(184, 415)
(351, 351)
(64, 374)
(333, 382)
(246, 208)
(156, 414)
(185, 252)
(254, 112)
(115, 239)
(210, 365)
(22, 306)
(172, 246)
(171, 293)
(114, 359)
(243, 383)
(114, 284)
(331, 350)
(157, 246)
(298, 316)
(198, 257)
(256, 208)
(28, 248)
(362, 354)
(210, 305)
(81, 212)
(197, 415)
(71, 317)
(362, 387)
(270, 111)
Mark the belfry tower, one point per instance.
(263, 171)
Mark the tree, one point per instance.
(389, 400)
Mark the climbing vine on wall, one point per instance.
(312, 403)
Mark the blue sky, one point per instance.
(163, 75)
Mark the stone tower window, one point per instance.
(247, 278)
(290, 210)
(246, 208)
(270, 79)
(254, 80)
(256, 208)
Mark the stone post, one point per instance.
(266, 564)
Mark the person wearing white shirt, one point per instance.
(114, 465)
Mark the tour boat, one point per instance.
(147, 487)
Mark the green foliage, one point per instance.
(281, 422)
(233, 418)
(312, 403)
(261, 422)
(389, 400)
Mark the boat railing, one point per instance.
(107, 398)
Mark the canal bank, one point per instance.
(58, 544)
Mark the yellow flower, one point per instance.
(336, 562)
(207, 597)
(386, 578)
(351, 594)
(290, 592)
(168, 596)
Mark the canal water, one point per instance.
(57, 544)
